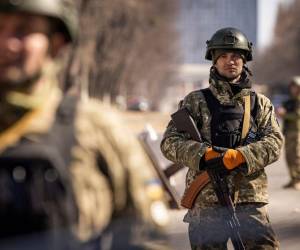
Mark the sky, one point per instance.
(267, 11)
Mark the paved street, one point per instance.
(284, 211)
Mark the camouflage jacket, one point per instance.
(291, 119)
(102, 143)
(179, 148)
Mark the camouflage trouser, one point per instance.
(210, 232)
(292, 153)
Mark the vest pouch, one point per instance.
(227, 121)
(227, 140)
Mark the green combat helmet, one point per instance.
(61, 10)
(229, 38)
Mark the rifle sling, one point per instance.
(245, 129)
(246, 119)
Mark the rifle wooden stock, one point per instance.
(185, 123)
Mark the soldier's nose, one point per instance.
(14, 45)
(10, 50)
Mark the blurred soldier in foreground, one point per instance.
(238, 137)
(290, 113)
(70, 172)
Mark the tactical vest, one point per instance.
(291, 125)
(36, 191)
(227, 121)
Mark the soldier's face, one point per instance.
(24, 47)
(230, 66)
(294, 90)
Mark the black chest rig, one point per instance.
(36, 191)
(227, 121)
(291, 105)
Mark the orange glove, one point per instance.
(211, 154)
(232, 159)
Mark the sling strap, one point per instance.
(245, 129)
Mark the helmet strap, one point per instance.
(245, 67)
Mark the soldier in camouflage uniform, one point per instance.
(229, 49)
(290, 113)
(105, 159)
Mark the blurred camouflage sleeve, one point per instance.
(267, 149)
(291, 115)
(178, 147)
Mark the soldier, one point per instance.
(68, 166)
(218, 112)
(290, 113)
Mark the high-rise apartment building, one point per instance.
(199, 19)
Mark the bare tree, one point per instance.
(124, 47)
(281, 60)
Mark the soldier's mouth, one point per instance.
(7, 65)
(231, 70)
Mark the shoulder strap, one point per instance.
(253, 105)
(62, 133)
(246, 119)
(67, 109)
(210, 99)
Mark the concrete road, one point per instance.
(284, 209)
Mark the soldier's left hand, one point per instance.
(233, 158)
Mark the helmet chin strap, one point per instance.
(245, 67)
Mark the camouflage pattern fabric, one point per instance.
(291, 119)
(179, 148)
(292, 153)
(291, 130)
(209, 232)
(130, 170)
(102, 141)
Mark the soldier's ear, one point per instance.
(57, 42)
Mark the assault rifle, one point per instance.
(217, 176)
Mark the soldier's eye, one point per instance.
(237, 56)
